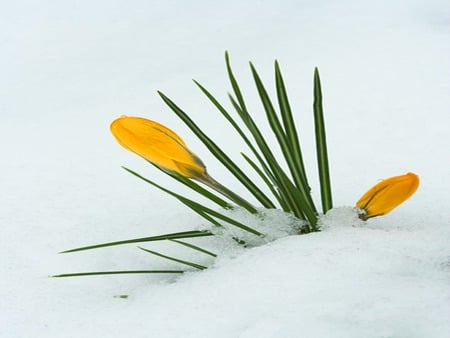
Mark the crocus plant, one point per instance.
(289, 189)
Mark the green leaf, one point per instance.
(234, 84)
(305, 212)
(279, 177)
(197, 207)
(176, 235)
(264, 200)
(218, 153)
(170, 258)
(266, 181)
(285, 146)
(321, 146)
(194, 247)
(233, 222)
(274, 172)
(268, 163)
(241, 109)
(124, 272)
(292, 138)
(257, 136)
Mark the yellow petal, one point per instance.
(387, 195)
(157, 144)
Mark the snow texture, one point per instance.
(69, 68)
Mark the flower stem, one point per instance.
(213, 184)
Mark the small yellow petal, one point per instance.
(387, 195)
(157, 144)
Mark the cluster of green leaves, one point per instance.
(289, 190)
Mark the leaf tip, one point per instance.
(277, 65)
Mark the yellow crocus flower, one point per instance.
(157, 144)
(387, 195)
(165, 149)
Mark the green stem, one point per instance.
(213, 184)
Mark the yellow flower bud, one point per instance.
(157, 144)
(387, 195)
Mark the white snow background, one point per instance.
(68, 68)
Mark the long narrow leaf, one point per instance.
(241, 109)
(283, 142)
(289, 126)
(321, 146)
(233, 222)
(224, 112)
(279, 180)
(217, 152)
(275, 176)
(170, 258)
(306, 213)
(257, 136)
(266, 202)
(194, 247)
(234, 84)
(176, 235)
(267, 182)
(197, 207)
(124, 272)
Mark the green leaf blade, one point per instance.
(265, 201)
(219, 154)
(177, 260)
(289, 126)
(199, 208)
(122, 272)
(194, 247)
(321, 146)
(267, 181)
(176, 235)
(298, 196)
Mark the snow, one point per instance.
(69, 68)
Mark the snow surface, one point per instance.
(68, 68)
